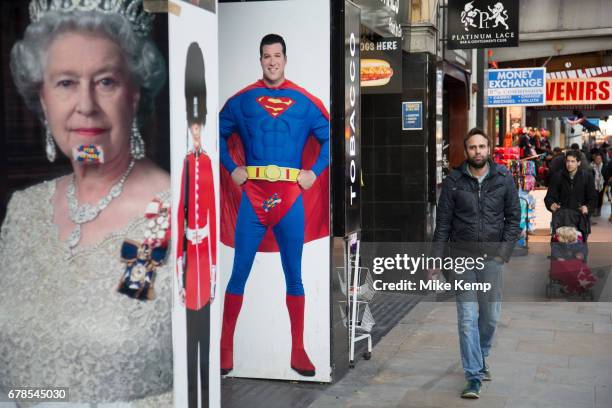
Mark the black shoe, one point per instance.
(471, 390)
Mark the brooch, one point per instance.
(142, 259)
(271, 202)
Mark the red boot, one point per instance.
(299, 359)
(231, 310)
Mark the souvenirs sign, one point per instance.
(579, 91)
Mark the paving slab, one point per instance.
(603, 396)
(551, 324)
(602, 328)
(587, 377)
(438, 399)
(544, 395)
(528, 358)
(539, 359)
(588, 362)
(533, 335)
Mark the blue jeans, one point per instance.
(477, 316)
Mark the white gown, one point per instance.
(62, 321)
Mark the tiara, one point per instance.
(140, 20)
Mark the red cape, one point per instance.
(316, 199)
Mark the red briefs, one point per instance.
(271, 200)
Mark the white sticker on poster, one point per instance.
(274, 229)
(194, 97)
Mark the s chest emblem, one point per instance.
(275, 106)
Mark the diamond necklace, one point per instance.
(82, 214)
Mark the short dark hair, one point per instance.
(574, 154)
(575, 146)
(473, 132)
(270, 39)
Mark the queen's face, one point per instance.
(87, 94)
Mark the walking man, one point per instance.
(478, 207)
(572, 188)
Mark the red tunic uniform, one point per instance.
(197, 230)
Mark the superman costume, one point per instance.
(197, 258)
(275, 132)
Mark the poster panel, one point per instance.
(274, 229)
(194, 96)
(381, 65)
(482, 24)
(412, 115)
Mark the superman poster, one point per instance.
(274, 151)
(195, 197)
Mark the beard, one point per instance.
(478, 164)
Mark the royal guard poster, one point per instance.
(274, 153)
(195, 180)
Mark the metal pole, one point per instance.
(354, 303)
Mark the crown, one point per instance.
(140, 20)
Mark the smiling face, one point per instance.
(273, 62)
(87, 94)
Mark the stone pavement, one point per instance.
(546, 354)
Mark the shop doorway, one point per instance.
(456, 110)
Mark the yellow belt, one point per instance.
(272, 173)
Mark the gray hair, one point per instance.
(28, 56)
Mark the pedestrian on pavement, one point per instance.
(479, 205)
(605, 152)
(556, 152)
(558, 163)
(600, 182)
(545, 142)
(525, 144)
(607, 174)
(572, 187)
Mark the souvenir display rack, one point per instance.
(361, 292)
(524, 173)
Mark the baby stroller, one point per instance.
(569, 272)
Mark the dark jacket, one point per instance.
(464, 215)
(572, 193)
(606, 172)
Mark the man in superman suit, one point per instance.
(196, 251)
(275, 145)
